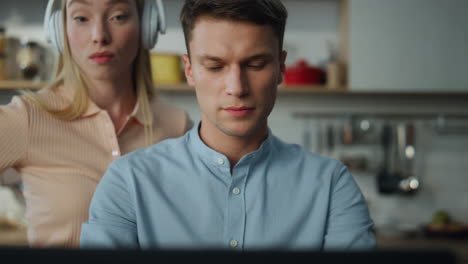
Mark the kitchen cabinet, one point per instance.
(401, 45)
(458, 247)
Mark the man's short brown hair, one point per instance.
(260, 12)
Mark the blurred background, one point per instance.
(380, 85)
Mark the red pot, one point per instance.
(302, 73)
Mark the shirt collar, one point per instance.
(212, 157)
(93, 109)
(137, 113)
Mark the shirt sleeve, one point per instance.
(112, 221)
(14, 133)
(349, 224)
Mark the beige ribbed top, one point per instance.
(61, 162)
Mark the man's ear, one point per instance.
(188, 70)
(283, 55)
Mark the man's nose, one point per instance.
(236, 82)
(101, 33)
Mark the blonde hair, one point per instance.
(68, 74)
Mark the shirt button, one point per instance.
(236, 190)
(115, 153)
(233, 243)
(220, 161)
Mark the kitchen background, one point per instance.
(405, 65)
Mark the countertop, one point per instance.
(458, 246)
(18, 237)
(13, 237)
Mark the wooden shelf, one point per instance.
(292, 89)
(174, 88)
(324, 90)
(15, 85)
(183, 88)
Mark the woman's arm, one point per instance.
(13, 137)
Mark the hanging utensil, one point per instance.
(410, 182)
(387, 183)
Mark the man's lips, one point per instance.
(239, 111)
(101, 57)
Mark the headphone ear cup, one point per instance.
(56, 30)
(53, 24)
(149, 25)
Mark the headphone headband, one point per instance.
(153, 22)
(162, 17)
(51, 6)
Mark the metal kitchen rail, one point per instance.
(443, 123)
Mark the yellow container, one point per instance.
(166, 68)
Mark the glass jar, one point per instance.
(2, 53)
(12, 45)
(28, 60)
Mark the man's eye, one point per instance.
(80, 19)
(214, 68)
(120, 17)
(256, 66)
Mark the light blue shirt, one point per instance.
(180, 194)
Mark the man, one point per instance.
(229, 182)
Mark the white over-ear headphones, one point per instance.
(153, 21)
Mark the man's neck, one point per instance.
(233, 147)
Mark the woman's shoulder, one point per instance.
(48, 95)
(170, 117)
(170, 111)
(54, 96)
(157, 104)
(34, 102)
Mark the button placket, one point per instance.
(236, 208)
(220, 161)
(233, 243)
(112, 137)
(235, 190)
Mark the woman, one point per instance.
(100, 106)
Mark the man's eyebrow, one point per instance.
(263, 55)
(206, 57)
